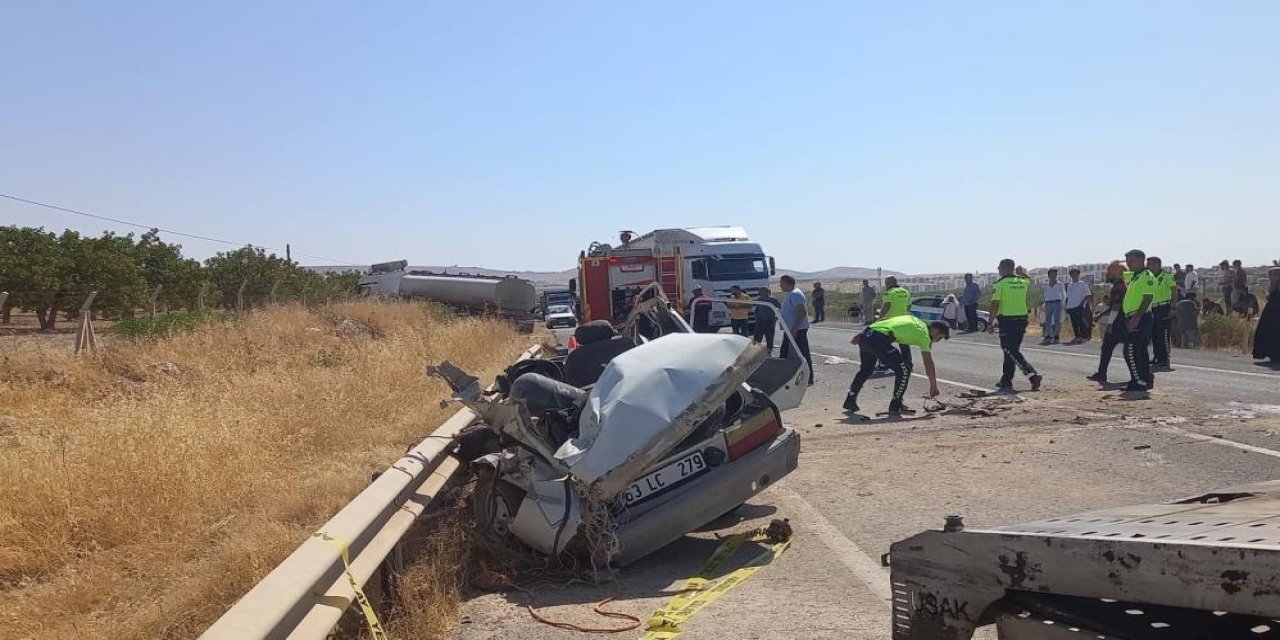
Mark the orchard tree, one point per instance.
(33, 269)
(107, 264)
(227, 270)
(162, 265)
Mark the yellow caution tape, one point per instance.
(370, 616)
(699, 591)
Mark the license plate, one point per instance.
(664, 478)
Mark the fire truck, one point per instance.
(717, 258)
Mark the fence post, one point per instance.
(274, 285)
(85, 339)
(4, 297)
(200, 298)
(240, 296)
(155, 293)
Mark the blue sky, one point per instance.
(915, 136)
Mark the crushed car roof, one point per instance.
(651, 398)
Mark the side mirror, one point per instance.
(773, 268)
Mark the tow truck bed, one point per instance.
(1202, 567)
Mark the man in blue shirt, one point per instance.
(969, 300)
(796, 315)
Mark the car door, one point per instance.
(784, 380)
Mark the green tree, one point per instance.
(34, 269)
(162, 264)
(227, 270)
(107, 264)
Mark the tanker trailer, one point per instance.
(508, 296)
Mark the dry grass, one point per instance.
(140, 500)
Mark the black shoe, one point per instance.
(897, 408)
(1097, 377)
(1035, 382)
(1135, 387)
(851, 403)
(1004, 387)
(1151, 383)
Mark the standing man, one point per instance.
(1226, 279)
(969, 301)
(700, 311)
(766, 318)
(819, 303)
(1138, 298)
(1239, 287)
(1054, 295)
(1009, 312)
(1191, 285)
(739, 312)
(797, 317)
(1079, 307)
(1161, 308)
(875, 344)
(1179, 277)
(897, 302)
(868, 302)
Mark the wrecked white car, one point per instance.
(675, 432)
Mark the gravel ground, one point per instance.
(862, 485)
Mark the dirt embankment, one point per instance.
(147, 486)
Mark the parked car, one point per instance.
(677, 431)
(929, 308)
(560, 316)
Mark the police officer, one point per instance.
(897, 302)
(1009, 313)
(1138, 299)
(875, 344)
(1161, 309)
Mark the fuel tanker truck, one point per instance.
(507, 296)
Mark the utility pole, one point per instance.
(288, 254)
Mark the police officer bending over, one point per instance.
(875, 344)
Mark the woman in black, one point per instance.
(1114, 312)
(1266, 340)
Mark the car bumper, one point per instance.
(561, 323)
(707, 498)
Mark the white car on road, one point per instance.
(929, 308)
(560, 316)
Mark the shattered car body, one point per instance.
(672, 436)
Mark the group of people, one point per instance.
(792, 305)
(1139, 313)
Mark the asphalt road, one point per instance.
(1213, 421)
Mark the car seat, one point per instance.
(598, 344)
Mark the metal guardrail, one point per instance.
(308, 592)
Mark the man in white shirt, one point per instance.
(1054, 293)
(1191, 284)
(796, 316)
(1080, 307)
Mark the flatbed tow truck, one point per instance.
(1204, 567)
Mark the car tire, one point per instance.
(494, 504)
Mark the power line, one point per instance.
(168, 231)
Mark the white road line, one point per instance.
(914, 375)
(1200, 437)
(865, 567)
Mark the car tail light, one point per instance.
(752, 432)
